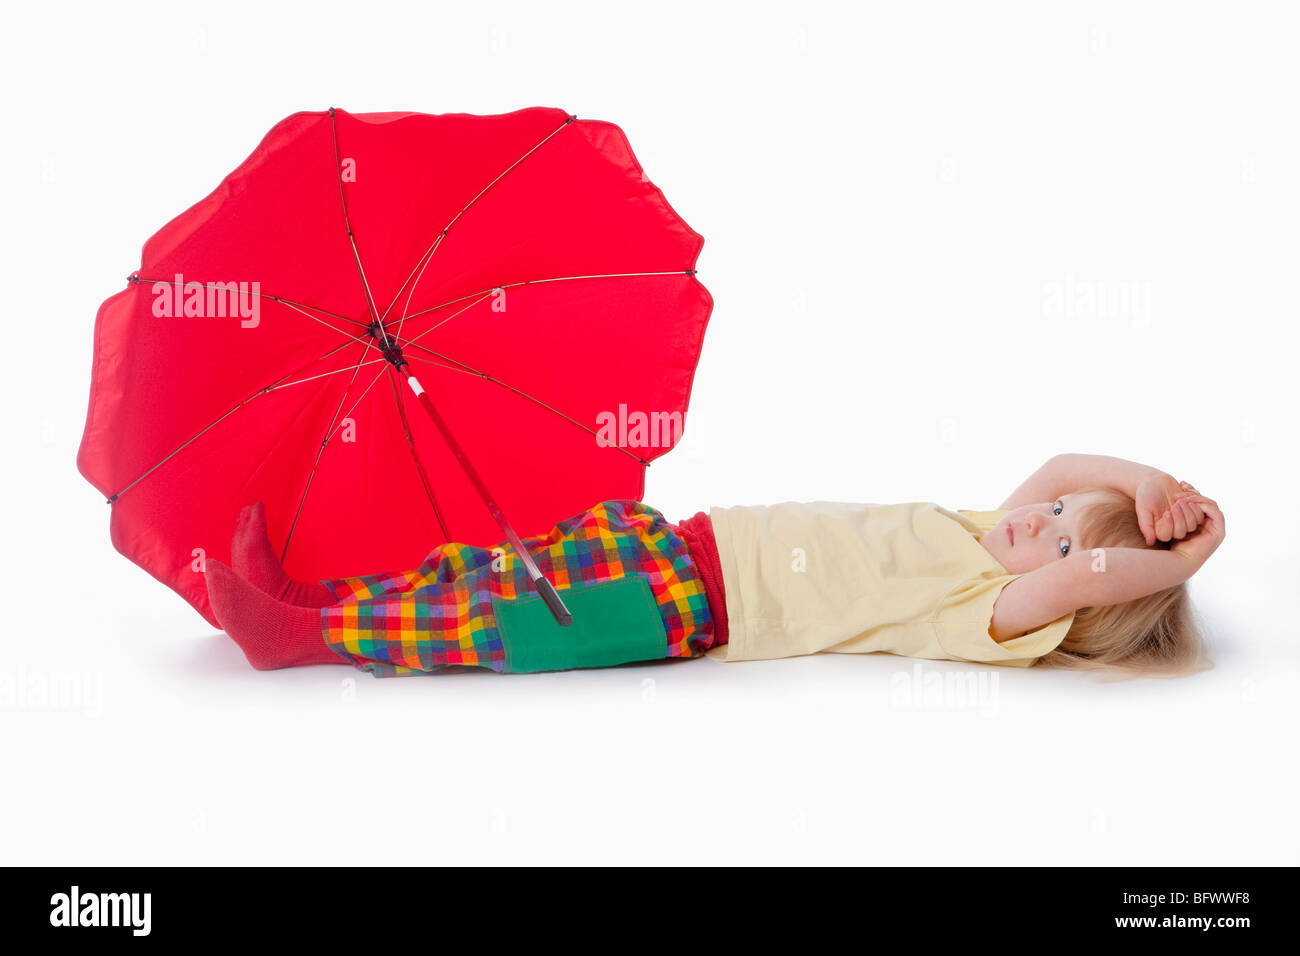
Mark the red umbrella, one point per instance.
(396, 329)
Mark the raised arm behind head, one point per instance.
(1154, 492)
(1099, 533)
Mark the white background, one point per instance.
(911, 216)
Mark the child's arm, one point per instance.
(1102, 577)
(1152, 490)
(1061, 474)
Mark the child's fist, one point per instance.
(1207, 538)
(1166, 509)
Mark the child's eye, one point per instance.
(1064, 545)
(1057, 508)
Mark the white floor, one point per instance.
(142, 737)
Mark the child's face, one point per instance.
(1029, 537)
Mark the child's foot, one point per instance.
(256, 561)
(270, 633)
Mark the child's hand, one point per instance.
(1207, 538)
(1165, 509)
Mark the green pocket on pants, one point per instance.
(614, 622)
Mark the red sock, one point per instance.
(256, 561)
(270, 633)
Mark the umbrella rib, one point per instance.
(296, 306)
(419, 466)
(423, 262)
(360, 397)
(514, 285)
(347, 221)
(329, 434)
(278, 383)
(470, 370)
(449, 368)
(444, 321)
(312, 378)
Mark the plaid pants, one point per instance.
(442, 614)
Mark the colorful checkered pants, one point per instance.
(442, 613)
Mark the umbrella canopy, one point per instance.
(522, 266)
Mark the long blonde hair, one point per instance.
(1154, 636)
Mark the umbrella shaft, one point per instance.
(543, 586)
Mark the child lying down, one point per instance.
(1084, 565)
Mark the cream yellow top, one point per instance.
(909, 579)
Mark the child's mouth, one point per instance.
(1011, 536)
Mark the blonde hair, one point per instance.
(1153, 636)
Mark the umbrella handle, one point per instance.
(543, 586)
(547, 590)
